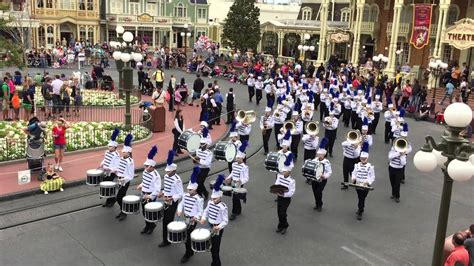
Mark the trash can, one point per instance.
(158, 118)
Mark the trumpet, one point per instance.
(327, 121)
(277, 114)
(290, 125)
(354, 137)
(401, 144)
(246, 117)
(312, 128)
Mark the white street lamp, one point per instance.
(424, 161)
(458, 115)
(127, 36)
(305, 48)
(307, 36)
(186, 26)
(311, 48)
(300, 47)
(188, 34)
(182, 34)
(117, 55)
(119, 29)
(125, 57)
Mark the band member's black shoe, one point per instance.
(151, 229)
(319, 209)
(392, 197)
(118, 216)
(344, 187)
(279, 230)
(122, 217)
(283, 231)
(359, 215)
(232, 217)
(185, 259)
(403, 181)
(105, 204)
(164, 244)
(145, 230)
(397, 200)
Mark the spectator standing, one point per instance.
(171, 91)
(59, 142)
(469, 245)
(158, 96)
(65, 98)
(198, 86)
(230, 106)
(159, 77)
(448, 92)
(465, 91)
(98, 75)
(28, 97)
(415, 98)
(81, 58)
(141, 77)
(459, 256)
(178, 130)
(406, 94)
(47, 93)
(218, 109)
(456, 75)
(16, 104)
(5, 98)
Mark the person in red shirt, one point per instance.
(59, 142)
(459, 256)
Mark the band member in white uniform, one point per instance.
(239, 176)
(150, 186)
(366, 136)
(388, 116)
(351, 152)
(284, 199)
(251, 86)
(377, 107)
(396, 168)
(110, 164)
(125, 173)
(310, 144)
(203, 159)
(216, 215)
(204, 132)
(234, 139)
(285, 142)
(279, 118)
(270, 90)
(363, 174)
(296, 135)
(258, 89)
(243, 129)
(330, 124)
(318, 186)
(192, 207)
(172, 194)
(266, 125)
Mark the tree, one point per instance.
(11, 40)
(242, 26)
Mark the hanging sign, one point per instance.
(24, 177)
(420, 32)
(461, 35)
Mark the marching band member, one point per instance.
(363, 174)
(365, 132)
(318, 186)
(270, 91)
(337, 106)
(388, 116)
(351, 152)
(285, 142)
(244, 130)
(284, 199)
(172, 194)
(323, 108)
(216, 215)
(281, 86)
(111, 163)
(266, 125)
(234, 139)
(354, 108)
(347, 102)
(125, 173)
(150, 186)
(296, 135)
(330, 124)
(377, 107)
(279, 118)
(251, 86)
(240, 176)
(307, 110)
(192, 207)
(258, 89)
(310, 144)
(316, 89)
(203, 159)
(397, 127)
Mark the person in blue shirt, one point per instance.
(219, 100)
(448, 93)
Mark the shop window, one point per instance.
(50, 35)
(404, 56)
(447, 53)
(345, 15)
(180, 10)
(151, 8)
(116, 7)
(366, 14)
(453, 14)
(49, 3)
(90, 35)
(41, 36)
(90, 4)
(374, 13)
(82, 5)
(134, 8)
(202, 13)
(307, 13)
(82, 34)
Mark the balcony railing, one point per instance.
(42, 13)
(181, 19)
(370, 28)
(404, 28)
(313, 23)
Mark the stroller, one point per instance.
(147, 87)
(35, 153)
(107, 83)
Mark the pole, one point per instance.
(436, 75)
(119, 65)
(442, 219)
(128, 83)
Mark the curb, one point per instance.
(79, 182)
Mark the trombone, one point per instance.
(246, 117)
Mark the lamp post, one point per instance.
(118, 63)
(380, 62)
(397, 54)
(452, 154)
(123, 54)
(305, 47)
(437, 68)
(185, 34)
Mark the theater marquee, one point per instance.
(461, 35)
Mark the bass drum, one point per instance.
(275, 161)
(189, 141)
(313, 170)
(219, 151)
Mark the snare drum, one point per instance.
(177, 232)
(227, 190)
(189, 141)
(131, 204)
(108, 189)
(201, 240)
(154, 212)
(219, 150)
(313, 170)
(241, 193)
(275, 161)
(94, 177)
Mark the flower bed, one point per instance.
(93, 98)
(81, 135)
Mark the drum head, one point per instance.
(240, 190)
(154, 206)
(177, 226)
(193, 143)
(200, 234)
(107, 184)
(230, 152)
(226, 188)
(94, 172)
(131, 198)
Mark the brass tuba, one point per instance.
(354, 137)
(401, 144)
(312, 128)
(246, 117)
(290, 125)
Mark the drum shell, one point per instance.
(94, 179)
(131, 207)
(176, 236)
(153, 215)
(184, 139)
(240, 194)
(106, 191)
(272, 162)
(201, 245)
(227, 191)
(219, 151)
(309, 169)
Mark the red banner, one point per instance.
(420, 33)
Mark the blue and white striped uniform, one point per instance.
(349, 151)
(396, 160)
(191, 206)
(111, 160)
(243, 129)
(288, 182)
(363, 173)
(205, 158)
(216, 214)
(173, 187)
(151, 183)
(126, 169)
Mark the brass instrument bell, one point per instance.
(354, 137)
(312, 128)
(401, 144)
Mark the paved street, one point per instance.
(389, 234)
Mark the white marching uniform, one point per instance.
(310, 142)
(369, 139)
(288, 182)
(333, 125)
(269, 121)
(191, 206)
(240, 173)
(111, 161)
(243, 129)
(327, 167)
(281, 119)
(126, 170)
(216, 214)
(364, 173)
(173, 187)
(151, 183)
(349, 151)
(205, 158)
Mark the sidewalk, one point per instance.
(76, 165)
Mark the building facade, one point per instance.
(353, 29)
(65, 20)
(22, 23)
(158, 22)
